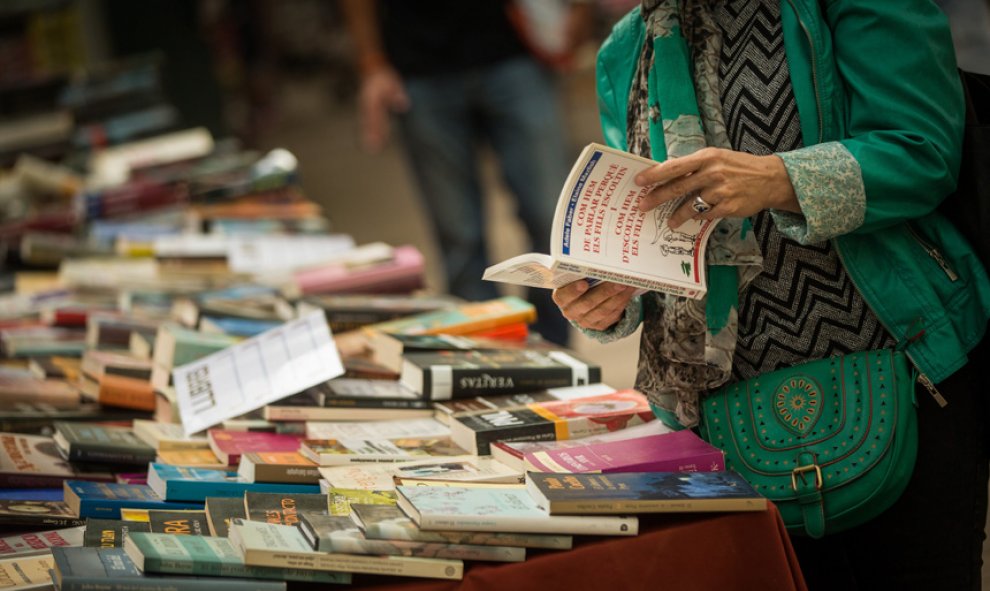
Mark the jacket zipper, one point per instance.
(934, 253)
(814, 71)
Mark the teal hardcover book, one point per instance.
(110, 569)
(105, 499)
(210, 556)
(178, 483)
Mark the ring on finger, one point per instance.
(699, 205)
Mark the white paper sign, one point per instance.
(247, 376)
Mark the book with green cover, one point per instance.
(210, 556)
(91, 442)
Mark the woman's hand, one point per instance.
(595, 308)
(734, 184)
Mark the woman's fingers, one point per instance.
(596, 308)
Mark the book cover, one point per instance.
(176, 345)
(22, 573)
(464, 319)
(600, 233)
(228, 445)
(388, 349)
(178, 483)
(190, 522)
(105, 499)
(388, 522)
(29, 514)
(349, 311)
(111, 569)
(191, 458)
(381, 477)
(282, 507)
(220, 511)
(21, 387)
(266, 544)
(91, 442)
(340, 500)
(446, 409)
(681, 451)
(402, 272)
(233, 326)
(280, 467)
(500, 510)
(351, 399)
(96, 364)
(33, 461)
(336, 452)
(210, 556)
(125, 392)
(35, 543)
(642, 492)
(442, 375)
(329, 533)
(110, 533)
(549, 421)
(167, 436)
(377, 430)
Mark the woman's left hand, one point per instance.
(734, 184)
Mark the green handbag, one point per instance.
(831, 442)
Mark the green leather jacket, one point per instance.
(882, 116)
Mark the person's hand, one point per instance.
(595, 308)
(735, 184)
(382, 93)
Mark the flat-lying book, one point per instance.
(642, 492)
(600, 233)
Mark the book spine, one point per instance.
(610, 507)
(105, 455)
(444, 383)
(376, 565)
(559, 524)
(176, 566)
(70, 583)
(139, 398)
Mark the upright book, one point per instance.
(642, 492)
(442, 375)
(500, 510)
(600, 233)
(554, 420)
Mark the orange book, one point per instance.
(126, 392)
(518, 331)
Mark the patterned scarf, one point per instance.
(687, 345)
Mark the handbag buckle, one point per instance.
(801, 470)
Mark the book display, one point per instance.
(204, 387)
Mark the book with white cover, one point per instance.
(167, 436)
(500, 510)
(599, 233)
(422, 428)
(267, 544)
(381, 476)
(244, 377)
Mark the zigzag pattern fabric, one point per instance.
(803, 305)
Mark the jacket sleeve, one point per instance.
(903, 123)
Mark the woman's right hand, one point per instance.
(595, 307)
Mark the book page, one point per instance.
(244, 377)
(530, 269)
(599, 225)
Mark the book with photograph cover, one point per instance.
(22, 515)
(340, 500)
(447, 409)
(642, 492)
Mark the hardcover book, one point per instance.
(22, 573)
(388, 522)
(184, 523)
(210, 556)
(266, 544)
(105, 499)
(282, 507)
(229, 445)
(336, 452)
(220, 511)
(90, 442)
(287, 467)
(111, 569)
(642, 492)
(549, 421)
(110, 533)
(22, 515)
(42, 542)
(500, 510)
(381, 477)
(329, 533)
(442, 375)
(33, 461)
(177, 483)
(681, 451)
(600, 233)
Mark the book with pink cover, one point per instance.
(680, 451)
(229, 446)
(403, 271)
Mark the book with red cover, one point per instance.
(229, 446)
(680, 451)
(404, 272)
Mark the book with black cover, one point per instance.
(220, 511)
(189, 522)
(282, 508)
(110, 533)
(21, 514)
(90, 442)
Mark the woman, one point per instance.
(824, 133)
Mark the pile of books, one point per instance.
(199, 378)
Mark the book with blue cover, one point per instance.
(179, 483)
(105, 499)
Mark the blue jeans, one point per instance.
(511, 106)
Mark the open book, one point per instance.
(600, 234)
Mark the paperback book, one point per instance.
(381, 477)
(445, 410)
(110, 533)
(228, 445)
(33, 461)
(286, 467)
(167, 436)
(177, 483)
(106, 499)
(41, 542)
(378, 430)
(91, 442)
(220, 511)
(23, 573)
(23, 515)
(282, 507)
(189, 522)
(18, 387)
(336, 452)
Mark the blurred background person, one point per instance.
(461, 76)
(970, 23)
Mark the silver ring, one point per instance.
(699, 205)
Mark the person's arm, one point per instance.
(382, 91)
